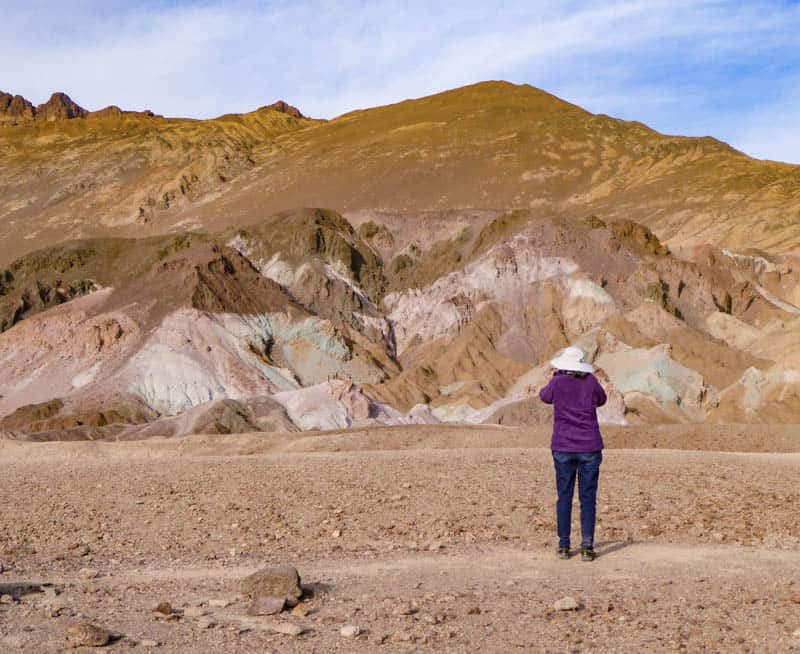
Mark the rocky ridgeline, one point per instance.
(15, 109)
(284, 108)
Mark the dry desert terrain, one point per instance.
(427, 538)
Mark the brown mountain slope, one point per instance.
(498, 146)
(491, 146)
(112, 172)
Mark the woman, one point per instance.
(577, 444)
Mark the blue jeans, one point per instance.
(586, 465)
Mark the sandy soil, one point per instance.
(428, 540)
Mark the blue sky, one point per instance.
(726, 69)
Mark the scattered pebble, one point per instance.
(350, 631)
(83, 634)
(287, 629)
(566, 604)
(164, 608)
(88, 573)
(6, 599)
(301, 610)
(405, 609)
(220, 603)
(206, 623)
(149, 643)
(82, 550)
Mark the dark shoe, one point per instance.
(588, 553)
(563, 552)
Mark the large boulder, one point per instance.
(279, 581)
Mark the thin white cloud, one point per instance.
(771, 132)
(686, 66)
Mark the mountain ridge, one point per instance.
(16, 110)
(488, 146)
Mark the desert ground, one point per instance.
(427, 538)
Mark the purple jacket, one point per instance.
(575, 427)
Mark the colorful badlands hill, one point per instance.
(157, 279)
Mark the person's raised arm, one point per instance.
(546, 394)
(599, 393)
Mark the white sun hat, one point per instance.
(571, 358)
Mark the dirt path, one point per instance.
(662, 597)
(620, 560)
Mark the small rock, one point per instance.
(165, 608)
(206, 623)
(220, 603)
(301, 610)
(337, 533)
(474, 610)
(287, 629)
(2, 568)
(84, 634)
(6, 599)
(405, 609)
(149, 643)
(266, 605)
(566, 604)
(400, 637)
(82, 550)
(380, 639)
(88, 573)
(194, 612)
(276, 581)
(350, 631)
(435, 546)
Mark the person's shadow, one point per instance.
(609, 547)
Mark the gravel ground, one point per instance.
(436, 546)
